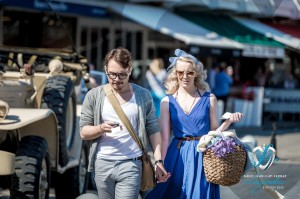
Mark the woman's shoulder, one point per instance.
(205, 92)
(164, 103)
(212, 98)
(211, 95)
(166, 98)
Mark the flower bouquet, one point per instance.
(224, 157)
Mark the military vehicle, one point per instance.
(40, 131)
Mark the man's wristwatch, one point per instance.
(159, 161)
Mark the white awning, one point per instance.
(170, 24)
(288, 8)
(270, 32)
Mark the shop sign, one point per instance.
(281, 100)
(263, 51)
(94, 11)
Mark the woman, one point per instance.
(155, 77)
(189, 111)
(115, 158)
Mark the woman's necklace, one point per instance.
(188, 112)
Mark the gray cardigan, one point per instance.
(93, 105)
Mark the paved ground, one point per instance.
(287, 141)
(287, 167)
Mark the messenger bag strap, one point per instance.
(116, 105)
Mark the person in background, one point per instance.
(212, 75)
(223, 82)
(189, 111)
(115, 158)
(260, 77)
(289, 81)
(155, 77)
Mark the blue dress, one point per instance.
(187, 179)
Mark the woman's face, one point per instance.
(117, 76)
(185, 73)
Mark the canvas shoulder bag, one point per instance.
(148, 175)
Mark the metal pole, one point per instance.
(273, 138)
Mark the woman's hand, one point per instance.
(230, 118)
(235, 117)
(161, 174)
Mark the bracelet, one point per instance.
(159, 161)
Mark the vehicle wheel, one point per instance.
(59, 95)
(74, 181)
(32, 169)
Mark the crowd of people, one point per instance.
(187, 112)
(267, 77)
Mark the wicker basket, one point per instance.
(225, 171)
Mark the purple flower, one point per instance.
(223, 147)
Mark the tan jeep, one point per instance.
(39, 141)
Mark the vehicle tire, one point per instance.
(74, 181)
(32, 169)
(59, 95)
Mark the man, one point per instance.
(223, 82)
(114, 155)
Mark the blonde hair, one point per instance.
(171, 83)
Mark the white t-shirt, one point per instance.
(119, 145)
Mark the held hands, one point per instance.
(161, 174)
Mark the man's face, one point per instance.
(117, 76)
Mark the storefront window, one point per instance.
(105, 43)
(139, 45)
(83, 50)
(94, 46)
(37, 30)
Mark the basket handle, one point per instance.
(220, 132)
